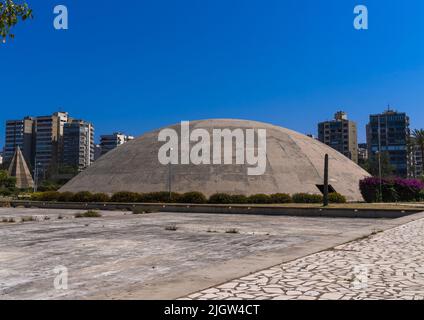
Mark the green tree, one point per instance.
(6, 181)
(10, 14)
(418, 136)
(372, 165)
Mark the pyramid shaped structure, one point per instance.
(18, 168)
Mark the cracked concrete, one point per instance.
(126, 256)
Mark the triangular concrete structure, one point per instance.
(18, 168)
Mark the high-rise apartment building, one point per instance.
(340, 134)
(389, 132)
(416, 162)
(362, 153)
(20, 133)
(110, 142)
(49, 139)
(78, 144)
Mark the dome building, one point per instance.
(294, 164)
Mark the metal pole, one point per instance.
(326, 181)
(169, 181)
(35, 177)
(379, 159)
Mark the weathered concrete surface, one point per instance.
(295, 163)
(387, 265)
(122, 255)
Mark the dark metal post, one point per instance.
(326, 181)
(169, 182)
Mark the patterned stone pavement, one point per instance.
(386, 265)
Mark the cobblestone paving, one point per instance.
(387, 265)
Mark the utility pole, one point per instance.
(326, 181)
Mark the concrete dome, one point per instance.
(294, 163)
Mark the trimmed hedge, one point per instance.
(280, 198)
(239, 199)
(47, 196)
(336, 198)
(125, 196)
(160, 197)
(65, 197)
(221, 198)
(189, 197)
(100, 197)
(192, 197)
(307, 198)
(83, 196)
(259, 199)
(393, 190)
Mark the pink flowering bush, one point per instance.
(392, 190)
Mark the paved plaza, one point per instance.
(122, 255)
(388, 265)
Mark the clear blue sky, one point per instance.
(136, 65)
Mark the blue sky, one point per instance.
(137, 65)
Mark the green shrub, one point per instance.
(220, 198)
(142, 210)
(36, 196)
(48, 196)
(100, 197)
(421, 195)
(259, 199)
(88, 214)
(281, 198)
(158, 197)
(125, 196)
(192, 197)
(83, 196)
(336, 198)
(6, 192)
(239, 199)
(307, 198)
(65, 197)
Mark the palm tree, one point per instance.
(419, 140)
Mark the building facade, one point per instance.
(78, 144)
(42, 142)
(110, 142)
(340, 134)
(416, 167)
(20, 133)
(49, 139)
(389, 132)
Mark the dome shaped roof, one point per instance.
(294, 163)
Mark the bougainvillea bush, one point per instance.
(392, 190)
